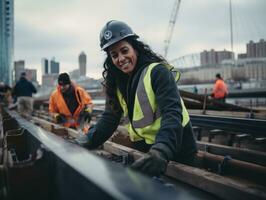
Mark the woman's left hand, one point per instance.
(153, 163)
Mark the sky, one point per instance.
(64, 28)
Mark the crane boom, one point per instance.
(171, 26)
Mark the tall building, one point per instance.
(213, 57)
(82, 63)
(256, 50)
(251, 49)
(54, 66)
(223, 55)
(45, 66)
(49, 80)
(50, 71)
(19, 68)
(6, 40)
(50, 67)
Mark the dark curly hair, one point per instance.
(112, 75)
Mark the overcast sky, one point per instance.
(64, 28)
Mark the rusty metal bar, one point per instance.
(228, 166)
(247, 155)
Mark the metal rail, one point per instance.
(122, 138)
(66, 171)
(256, 127)
(214, 163)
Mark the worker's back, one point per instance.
(220, 89)
(24, 88)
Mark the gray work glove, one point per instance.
(85, 139)
(154, 163)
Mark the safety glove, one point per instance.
(87, 114)
(85, 139)
(60, 118)
(153, 163)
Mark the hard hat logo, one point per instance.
(107, 35)
(114, 31)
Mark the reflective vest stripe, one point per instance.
(144, 103)
(146, 114)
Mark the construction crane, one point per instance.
(171, 26)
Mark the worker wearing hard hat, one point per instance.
(140, 86)
(68, 102)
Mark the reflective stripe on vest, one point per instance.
(146, 115)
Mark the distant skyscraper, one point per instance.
(251, 49)
(213, 57)
(256, 50)
(49, 79)
(54, 66)
(45, 66)
(6, 40)
(19, 68)
(223, 55)
(82, 63)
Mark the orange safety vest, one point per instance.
(220, 89)
(57, 104)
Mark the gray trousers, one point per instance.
(25, 105)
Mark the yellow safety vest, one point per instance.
(146, 115)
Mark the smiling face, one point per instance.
(124, 56)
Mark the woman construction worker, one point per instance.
(141, 87)
(70, 104)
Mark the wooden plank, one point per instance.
(118, 149)
(54, 128)
(43, 123)
(223, 187)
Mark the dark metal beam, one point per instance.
(256, 127)
(77, 173)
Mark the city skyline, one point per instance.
(63, 29)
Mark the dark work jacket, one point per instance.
(70, 99)
(24, 88)
(172, 139)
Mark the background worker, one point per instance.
(69, 103)
(5, 94)
(219, 91)
(140, 87)
(23, 91)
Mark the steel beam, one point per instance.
(255, 127)
(77, 173)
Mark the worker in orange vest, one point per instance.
(219, 91)
(69, 103)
